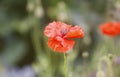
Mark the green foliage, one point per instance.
(22, 40)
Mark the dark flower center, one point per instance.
(63, 32)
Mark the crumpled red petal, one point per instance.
(53, 29)
(75, 32)
(50, 30)
(60, 44)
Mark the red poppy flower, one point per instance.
(59, 34)
(110, 28)
(118, 27)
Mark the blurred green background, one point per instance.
(22, 41)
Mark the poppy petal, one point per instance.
(60, 44)
(54, 29)
(50, 30)
(110, 28)
(75, 32)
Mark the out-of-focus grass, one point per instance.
(22, 41)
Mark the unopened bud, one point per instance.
(30, 6)
(38, 12)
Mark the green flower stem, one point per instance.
(65, 63)
(113, 45)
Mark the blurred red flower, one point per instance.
(110, 28)
(59, 35)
